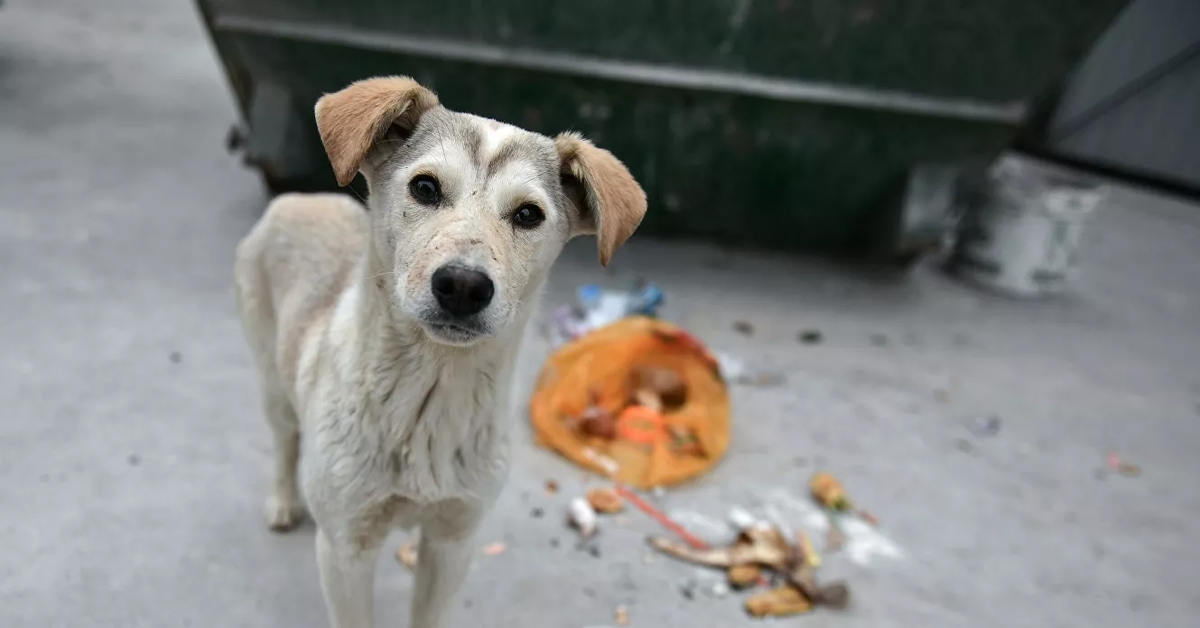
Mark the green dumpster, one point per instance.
(791, 124)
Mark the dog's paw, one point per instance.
(283, 514)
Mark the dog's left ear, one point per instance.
(608, 201)
(352, 120)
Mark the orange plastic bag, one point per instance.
(597, 369)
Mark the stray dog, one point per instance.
(386, 339)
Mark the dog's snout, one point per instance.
(462, 291)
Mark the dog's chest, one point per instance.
(446, 439)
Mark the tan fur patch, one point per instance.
(615, 201)
(352, 120)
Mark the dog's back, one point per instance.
(289, 271)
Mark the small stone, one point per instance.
(964, 445)
(175, 357)
(134, 460)
(594, 551)
(879, 340)
(554, 542)
(811, 336)
(537, 513)
(720, 590)
(743, 328)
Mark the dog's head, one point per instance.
(469, 213)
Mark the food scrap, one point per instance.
(779, 602)
(828, 491)
(1129, 470)
(494, 549)
(551, 487)
(605, 501)
(407, 554)
(622, 616)
(744, 576)
(762, 547)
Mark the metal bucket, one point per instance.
(1022, 235)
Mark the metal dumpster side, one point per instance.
(785, 124)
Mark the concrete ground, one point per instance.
(133, 458)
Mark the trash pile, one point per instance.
(761, 555)
(639, 401)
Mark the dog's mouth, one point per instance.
(455, 333)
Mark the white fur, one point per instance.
(381, 418)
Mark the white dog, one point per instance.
(386, 338)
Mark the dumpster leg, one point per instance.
(279, 139)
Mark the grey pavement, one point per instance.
(133, 459)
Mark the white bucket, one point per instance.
(1023, 237)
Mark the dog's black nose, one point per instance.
(461, 291)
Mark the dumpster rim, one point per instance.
(657, 75)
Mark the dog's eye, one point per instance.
(528, 216)
(425, 189)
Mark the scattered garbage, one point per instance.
(986, 426)
(736, 371)
(1127, 469)
(596, 307)
(582, 517)
(494, 549)
(551, 487)
(764, 547)
(622, 616)
(778, 602)
(829, 492)
(744, 576)
(407, 554)
(605, 501)
(879, 340)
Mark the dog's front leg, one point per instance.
(442, 563)
(348, 580)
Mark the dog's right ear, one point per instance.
(352, 120)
